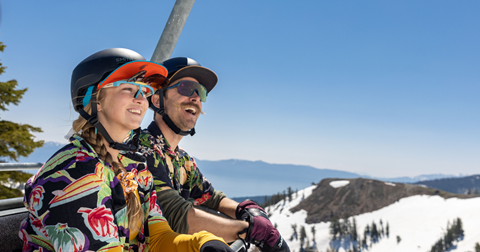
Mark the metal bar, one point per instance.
(11, 203)
(13, 211)
(19, 166)
(14, 205)
(172, 30)
(238, 246)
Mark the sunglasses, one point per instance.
(187, 88)
(149, 90)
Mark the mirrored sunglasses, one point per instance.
(187, 88)
(148, 89)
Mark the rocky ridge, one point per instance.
(359, 196)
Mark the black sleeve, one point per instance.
(215, 246)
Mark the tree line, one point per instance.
(274, 199)
(344, 229)
(454, 232)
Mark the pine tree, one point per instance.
(448, 239)
(347, 227)
(382, 229)
(364, 242)
(387, 230)
(374, 232)
(294, 235)
(16, 140)
(458, 228)
(477, 247)
(367, 230)
(303, 235)
(343, 228)
(354, 230)
(313, 233)
(290, 192)
(335, 228)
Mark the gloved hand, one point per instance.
(260, 230)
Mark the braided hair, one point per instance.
(135, 213)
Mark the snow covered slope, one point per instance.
(419, 221)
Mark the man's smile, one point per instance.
(191, 110)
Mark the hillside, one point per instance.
(339, 199)
(454, 185)
(419, 221)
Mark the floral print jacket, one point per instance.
(173, 169)
(76, 203)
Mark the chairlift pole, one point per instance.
(172, 30)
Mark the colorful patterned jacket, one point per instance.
(76, 203)
(178, 181)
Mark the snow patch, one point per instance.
(390, 184)
(339, 183)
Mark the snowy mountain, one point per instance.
(419, 221)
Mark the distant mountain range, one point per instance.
(419, 178)
(255, 178)
(463, 185)
(241, 178)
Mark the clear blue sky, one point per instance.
(384, 88)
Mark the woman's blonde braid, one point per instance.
(134, 208)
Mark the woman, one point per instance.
(95, 193)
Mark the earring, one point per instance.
(95, 131)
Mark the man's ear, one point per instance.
(156, 100)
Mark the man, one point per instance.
(179, 183)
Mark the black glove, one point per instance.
(260, 230)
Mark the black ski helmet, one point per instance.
(95, 68)
(178, 68)
(102, 66)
